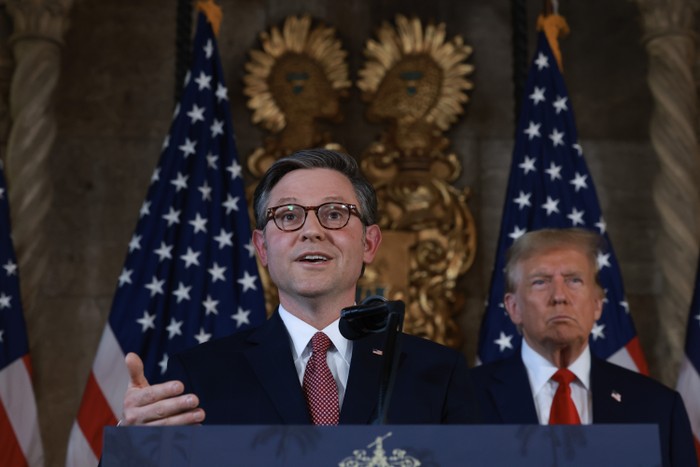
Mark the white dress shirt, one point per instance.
(339, 355)
(540, 371)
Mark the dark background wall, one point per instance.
(115, 100)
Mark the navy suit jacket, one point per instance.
(504, 396)
(250, 378)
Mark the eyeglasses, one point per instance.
(291, 217)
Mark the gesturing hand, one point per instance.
(158, 404)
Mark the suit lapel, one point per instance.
(272, 362)
(512, 394)
(607, 396)
(362, 392)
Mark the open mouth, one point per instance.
(314, 259)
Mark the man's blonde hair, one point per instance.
(540, 241)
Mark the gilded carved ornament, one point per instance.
(295, 81)
(415, 83)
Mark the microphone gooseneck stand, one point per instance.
(376, 315)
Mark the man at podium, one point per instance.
(554, 298)
(316, 228)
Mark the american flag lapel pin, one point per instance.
(616, 395)
(377, 352)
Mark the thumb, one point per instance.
(134, 365)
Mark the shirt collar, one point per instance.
(540, 370)
(301, 332)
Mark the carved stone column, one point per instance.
(6, 66)
(36, 41)
(670, 43)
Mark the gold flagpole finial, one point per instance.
(554, 27)
(212, 12)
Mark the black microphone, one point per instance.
(369, 317)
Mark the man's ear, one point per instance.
(599, 305)
(513, 309)
(260, 246)
(373, 237)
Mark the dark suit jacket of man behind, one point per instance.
(619, 396)
(250, 378)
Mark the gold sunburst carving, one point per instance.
(408, 51)
(293, 82)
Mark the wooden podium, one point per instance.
(383, 445)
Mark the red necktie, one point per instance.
(319, 386)
(563, 410)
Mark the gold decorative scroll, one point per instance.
(294, 83)
(414, 81)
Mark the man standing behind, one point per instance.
(316, 228)
(554, 298)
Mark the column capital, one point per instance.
(39, 19)
(667, 17)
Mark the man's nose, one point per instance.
(312, 228)
(559, 291)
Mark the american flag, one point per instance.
(689, 374)
(20, 440)
(190, 273)
(550, 187)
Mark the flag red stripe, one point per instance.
(28, 363)
(11, 454)
(635, 351)
(94, 414)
